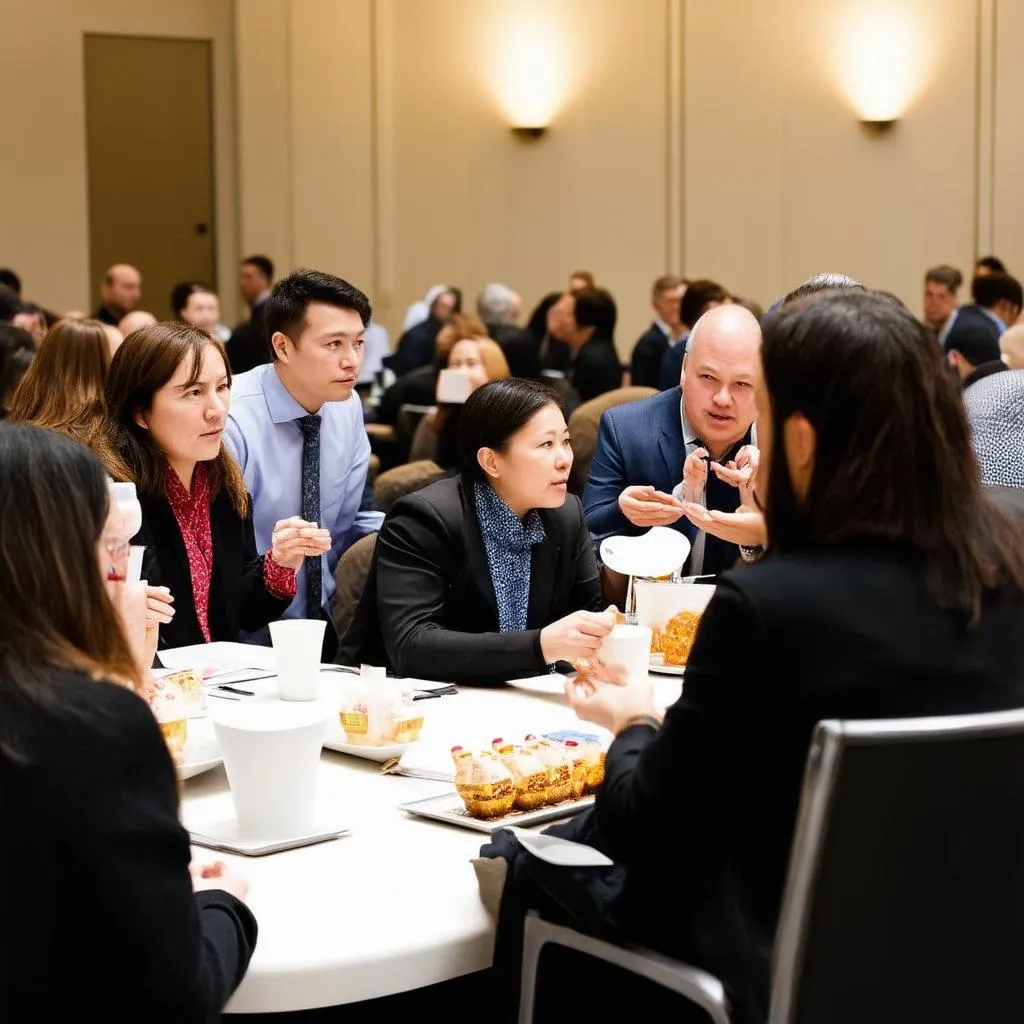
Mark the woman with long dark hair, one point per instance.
(891, 588)
(99, 903)
(168, 395)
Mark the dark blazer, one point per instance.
(596, 369)
(429, 609)
(642, 443)
(415, 347)
(671, 368)
(521, 349)
(249, 346)
(702, 812)
(106, 925)
(645, 366)
(239, 600)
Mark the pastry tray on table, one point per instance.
(450, 809)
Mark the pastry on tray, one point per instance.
(193, 691)
(168, 706)
(484, 783)
(559, 767)
(529, 772)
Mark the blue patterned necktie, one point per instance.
(311, 507)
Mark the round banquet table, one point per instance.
(394, 904)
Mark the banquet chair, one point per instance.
(395, 483)
(583, 426)
(424, 440)
(350, 580)
(905, 894)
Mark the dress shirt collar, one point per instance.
(667, 331)
(281, 403)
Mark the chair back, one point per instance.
(350, 580)
(424, 440)
(395, 483)
(905, 895)
(583, 425)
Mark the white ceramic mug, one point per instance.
(297, 646)
(630, 647)
(272, 756)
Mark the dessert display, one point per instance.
(168, 705)
(484, 783)
(375, 713)
(540, 772)
(675, 639)
(190, 682)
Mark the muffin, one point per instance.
(190, 682)
(484, 784)
(559, 768)
(578, 761)
(168, 705)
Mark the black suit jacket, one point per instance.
(429, 609)
(701, 813)
(108, 927)
(249, 346)
(645, 367)
(239, 599)
(596, 369)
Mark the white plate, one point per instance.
(551, 685)
(450, 809)
(202, 752)
(667, 670)
(223, 835)
(378, 754)
(660, 551)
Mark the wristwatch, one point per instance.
(751, 554)
(652, 720)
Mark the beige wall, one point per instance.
(42, 161)
(1008, 142)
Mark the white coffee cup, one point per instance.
(453, 387)
(630, 647)
(297, 646)
(272, 756)
(135, 553)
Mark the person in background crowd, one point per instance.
(376, 344)
(168, 395)
(499, 308)
(32, 319)
(972, 346)
(644, 449)
(63, 389)
(297, 433)
(420, 309)
(249, 346)
(416, 346)
(198, 305)
(10, 304)
(114, 337)
(9, 279)
(135, 320)
(17, 350)
(754, 308)
(555, 355)
(995, 412)
(481, 360)
(699, 297)
(989, 265)
(130, 928)
(666, 331)
(489, 575)
(941, 285)
(1012, 346)
(120, 293)
(1000, 297)
(585, 321)
(581, 279)
(876, 600)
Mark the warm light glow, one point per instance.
(880, 60)
(530, 67)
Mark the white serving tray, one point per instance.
(449, 808)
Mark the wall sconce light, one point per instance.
(878, 127)
(529, 133)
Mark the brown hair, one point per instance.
(870, 381)
(585, 276)
(63, 388)
(948, 276)
(458, 328)
(665, 284)
(145, 362)
(494, 362)
(53, 504)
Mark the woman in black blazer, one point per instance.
(168, 395)
(490, 575)
(891, 588)
(106, 921)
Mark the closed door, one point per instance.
(149, 136)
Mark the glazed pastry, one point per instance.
(192, 689)
(168, 705)
(593, 755)
(529, 773)
(579, 768)
(484, 783)
(559, 768)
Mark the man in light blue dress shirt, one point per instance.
(295, 424)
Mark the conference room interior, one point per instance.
(432, 325)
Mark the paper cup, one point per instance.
(630, 647)
(297, 647)
(135, 563)
(272, 756)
